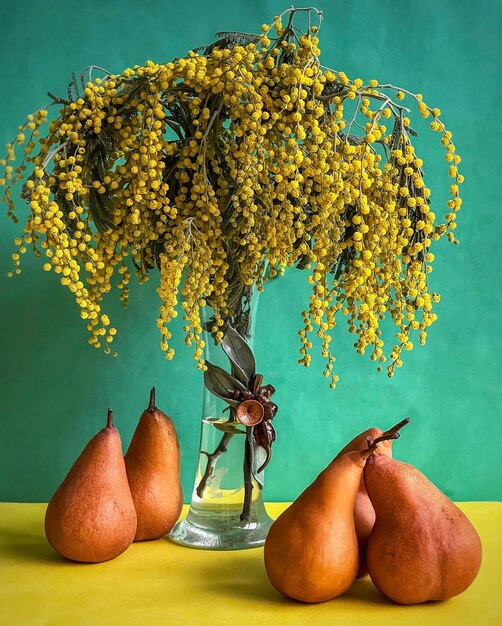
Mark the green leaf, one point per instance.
(396, 133)
(221, 383)
(230, 39)
(57, 99)
(73, 93)
(303, 261)
(240, 355)
(230, 427)
(249, 37)
(100, 208)
(259, 459)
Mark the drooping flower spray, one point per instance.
(243, 155)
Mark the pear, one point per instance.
(311, 551)
(153, 469)
(91, 517)
(422, 546)
(364, 513)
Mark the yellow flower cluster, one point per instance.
(244, 155)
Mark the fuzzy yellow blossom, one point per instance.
(224, 168)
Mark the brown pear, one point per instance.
(153, 469)
(311, 551)
(91, 517)
(364, 513)
(422, 546)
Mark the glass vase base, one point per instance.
(226, 534)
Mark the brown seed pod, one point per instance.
(250, 412)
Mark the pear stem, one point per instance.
(397, 426)
(151, 406)
(109, 419)
(373, 445)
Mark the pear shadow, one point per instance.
(242, 578)
(36, 549)
(31, 549)
(364, 591)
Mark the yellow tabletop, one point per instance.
(159, 583)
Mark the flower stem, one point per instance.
(248, 484)
(212, 458)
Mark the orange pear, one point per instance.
(91, 517)
(153, 469)
(364, 513)
(311, 551)
(422, 546)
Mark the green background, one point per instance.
(55, 388)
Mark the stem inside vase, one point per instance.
(212, 458)
(227, 510)
(242, 320)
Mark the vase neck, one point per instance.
(244, 322)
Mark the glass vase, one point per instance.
(226, 510)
